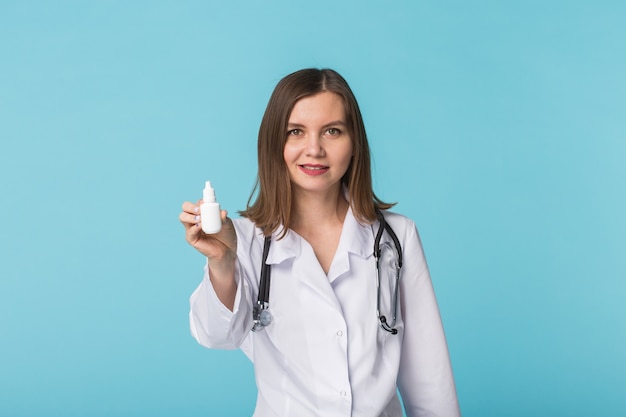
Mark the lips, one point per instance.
(313, 169)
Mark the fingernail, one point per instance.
(195, 210)
(197, 218)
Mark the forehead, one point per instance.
(321, 107)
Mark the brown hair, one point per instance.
(272, 207)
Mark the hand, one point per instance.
(220, 247)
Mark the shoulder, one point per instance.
(249, 242)
(404, 228)
(399, 223)
(410, 243)
(246, 230)
(243, 223)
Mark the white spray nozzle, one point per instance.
(208, 195)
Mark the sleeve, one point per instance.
(212, 324)
(425, 379)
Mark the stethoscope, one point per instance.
(262, 317)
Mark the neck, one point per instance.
(314, 210)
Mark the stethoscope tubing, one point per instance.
(384, 226)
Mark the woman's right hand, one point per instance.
(219, 248)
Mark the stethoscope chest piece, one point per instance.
(262, 318)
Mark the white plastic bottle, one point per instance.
(210, 211)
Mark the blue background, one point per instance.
(498, 126)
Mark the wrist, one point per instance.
(223, 266)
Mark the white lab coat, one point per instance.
(324, 354)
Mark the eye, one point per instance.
(294, 132)
(333, 131)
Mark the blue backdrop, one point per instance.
(498, 126)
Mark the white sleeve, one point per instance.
(212, 324)
(425, 379)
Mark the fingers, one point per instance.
(189, 219)
(189, 207)
(190, 216)
(193, 234)
(216, 246)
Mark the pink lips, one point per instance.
(313, 169)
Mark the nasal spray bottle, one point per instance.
(210, 211)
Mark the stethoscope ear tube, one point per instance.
(266, 270)
(385, 226)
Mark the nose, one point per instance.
(314, 146)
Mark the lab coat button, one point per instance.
(343, 393)
(339, 333)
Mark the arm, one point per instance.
(219, 306)
(425, 379)
(220, 250)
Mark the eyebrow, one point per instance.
(334, 123)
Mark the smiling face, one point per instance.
(318, 149)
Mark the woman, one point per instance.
(328, 349)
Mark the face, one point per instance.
(318, 150)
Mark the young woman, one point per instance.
(334, 333)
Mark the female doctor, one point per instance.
(337, 335)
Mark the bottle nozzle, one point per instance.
(208, 194)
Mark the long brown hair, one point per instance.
(272, 207)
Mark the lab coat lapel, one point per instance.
(305, 268)
(356, 239)
(283, 249)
